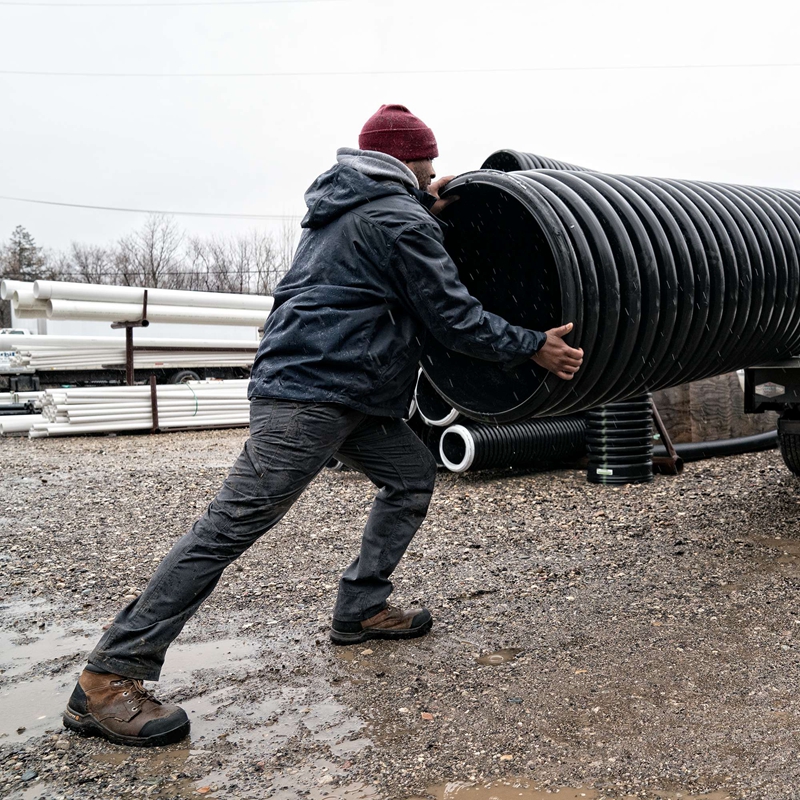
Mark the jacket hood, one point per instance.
(359, 177)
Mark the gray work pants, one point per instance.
(290, 442)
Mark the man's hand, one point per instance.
(557, 356)
(434, 189)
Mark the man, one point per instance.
(333, 375)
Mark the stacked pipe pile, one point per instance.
(88, 301)
(667, 281)
(47, 352)
(196, 404)
(12, 422)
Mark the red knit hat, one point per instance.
(396, 131)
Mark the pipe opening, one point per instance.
(457, 449)
(505, 260)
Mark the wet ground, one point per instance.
(589, 642)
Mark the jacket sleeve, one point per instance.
(428, 279)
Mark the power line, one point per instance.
(152, 211)
(356, 73)
(166, 4)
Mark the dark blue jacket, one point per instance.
(369, 281)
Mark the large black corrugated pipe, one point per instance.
(518, 444)
(666, 281)
(431, 406)
(513, 161)
(619, 442)
(696, 451)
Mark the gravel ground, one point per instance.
(637, 642)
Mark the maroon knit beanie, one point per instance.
(396, 131)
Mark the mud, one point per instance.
(589, 642)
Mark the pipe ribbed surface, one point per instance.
(619, 442)
(514, 161)
(518, 444)
(666, 281)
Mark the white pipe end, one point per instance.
(469, 449)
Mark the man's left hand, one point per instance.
(435, 188)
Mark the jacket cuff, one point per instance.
(538, 339)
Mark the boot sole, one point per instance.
(340, 638)
(87, 725)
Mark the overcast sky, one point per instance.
(578, 80)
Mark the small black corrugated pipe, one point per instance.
(514, 161)
(696, 451)
(619, 442)
(518, 444)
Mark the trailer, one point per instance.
(776, 387)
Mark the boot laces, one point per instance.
(140, 694)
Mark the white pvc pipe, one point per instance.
(8, 287)
(126, 312)
(57, 429)
(64, 290)
(30, 313)
(55, 341)
(19, 423)
(23, 298)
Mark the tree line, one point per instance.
(159, 254)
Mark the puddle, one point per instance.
(54, 642)
(184, 659)
(790, 548)
(313, 786)
(505, 790)
(499, 656)
(269, 723)
(35, 791)
(33, 705)
(520, 789)
(22, 608)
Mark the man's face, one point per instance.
(423, 169)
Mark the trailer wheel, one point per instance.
(183, 376)
(789, 441)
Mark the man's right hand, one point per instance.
(557, 356)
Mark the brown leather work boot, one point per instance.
(391, 623)
(123, 711)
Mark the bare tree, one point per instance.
(90, 263)
(152, 255)
(160, 255)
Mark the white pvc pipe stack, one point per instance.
(126, 312)
(197, 404)
(98, 293)
(19, 423)
(43, 352)
(87, 301)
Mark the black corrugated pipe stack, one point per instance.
(518, 444)
(667, 282)
(619, 442)
(513, 161)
